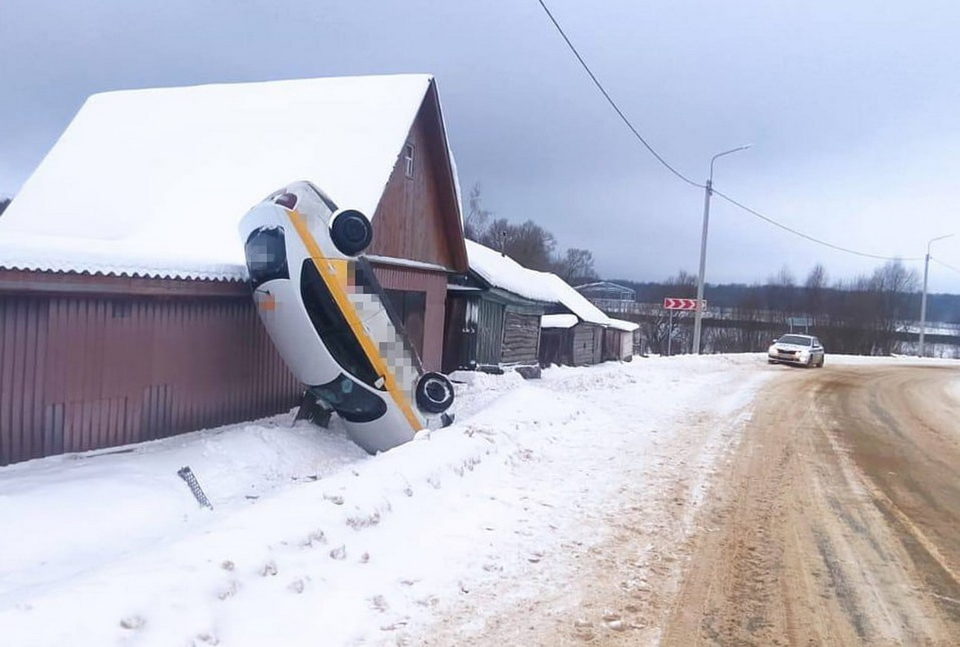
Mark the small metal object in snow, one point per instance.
(187, 475)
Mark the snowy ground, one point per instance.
(311, 541)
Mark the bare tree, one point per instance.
(475, 224)
(527, 243)
(814, 294)
(576, 266)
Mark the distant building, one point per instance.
(124, 309)
(607, 291)
(610, 297)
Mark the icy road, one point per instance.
(712, 500)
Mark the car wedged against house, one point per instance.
(801, 350)
(331, 321)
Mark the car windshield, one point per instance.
(795, 339)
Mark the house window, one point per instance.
(410, 306)
(408, 159)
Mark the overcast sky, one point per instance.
(852, 108)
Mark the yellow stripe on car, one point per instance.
(329, 273)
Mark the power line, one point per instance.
(613, 104)
(757, 214)
(808, 236)
(946, 265)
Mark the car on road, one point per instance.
(331, 321)
(800, 350)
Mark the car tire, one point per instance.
(434, 393)
(351, 231)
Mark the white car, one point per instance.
(331, 321)
(802, 350)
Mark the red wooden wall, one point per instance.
(418, 217)
(434, 284)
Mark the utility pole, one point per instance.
(923, 298)
(698, 313)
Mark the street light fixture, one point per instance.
(698, 316)
(923, 299)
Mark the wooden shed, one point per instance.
(124, 309)
(619, 340)
(493, 315)
(573, 332)
(567, 340)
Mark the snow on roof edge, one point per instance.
(558, 321)
(621, 324)
(502, 272)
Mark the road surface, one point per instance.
(834, 520)
(840, 519)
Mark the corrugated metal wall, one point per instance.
(84, 372)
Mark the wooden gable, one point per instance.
(418, 216)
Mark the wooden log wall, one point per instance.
(521, 339)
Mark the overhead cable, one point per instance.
(681, 176)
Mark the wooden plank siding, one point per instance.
(86, 372)
(521, 339)
(418, 216)
(587, 344)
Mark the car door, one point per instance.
(817, 349)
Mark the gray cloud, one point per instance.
(853, 109)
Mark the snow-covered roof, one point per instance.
(558, 321)
(626, 326)
(153, 182)
(503, 272)
(573, 300)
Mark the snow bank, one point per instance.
(373, 547)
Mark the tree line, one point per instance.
(527, 243)
(870, 314)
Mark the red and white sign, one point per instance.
(683, 304)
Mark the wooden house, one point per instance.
(124, 309)
(493, 315)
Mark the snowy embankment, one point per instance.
(311, 541)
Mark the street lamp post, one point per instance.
(923, 299)
(698, 315)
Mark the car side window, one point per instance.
(816, 342)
